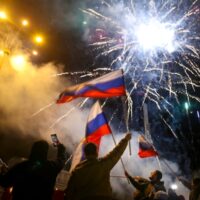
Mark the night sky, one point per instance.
(61, 23)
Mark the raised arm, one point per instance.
(60, 160)
(112, 158)
(135, 182)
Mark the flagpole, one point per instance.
(127, 111)
(123, 166)
(159, 165)
(116, 145)
(129, 142)
(172, 171)
(126, 116)
(147, 130)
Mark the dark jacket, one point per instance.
(35, 178)
(195, 193)
(145, 188)
(91, 178)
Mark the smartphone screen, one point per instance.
(55, 140)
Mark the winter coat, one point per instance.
(145, 189)
(35, 178)
(91, 178)
(195, 193)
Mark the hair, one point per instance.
(159, 174)
(39, 151)
(90, 149)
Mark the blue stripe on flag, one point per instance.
(96, 123)
(145, 146)
(103, 86)
(98, 86)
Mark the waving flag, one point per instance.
(97, 126)
(109, 85)
(145, 149)
(78, 154)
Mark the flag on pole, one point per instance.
(109, 85)
(78, 154)
(97, 126)
(145, 149)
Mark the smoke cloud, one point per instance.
(138, 167)
(24, 92)
(25, 88)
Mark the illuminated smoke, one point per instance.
(156, 43)
(25, 88)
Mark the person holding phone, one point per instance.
(35, 178)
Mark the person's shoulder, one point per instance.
(85, 163)
(22, 164)
(160, 186)
(20, 167)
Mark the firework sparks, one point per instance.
(156, 43)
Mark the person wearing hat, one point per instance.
(146, 188)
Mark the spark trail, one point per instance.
(156, 43)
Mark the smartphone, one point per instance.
(55, 140)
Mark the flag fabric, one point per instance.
(97, 126)
(78, 154)
(109, 85)
(145, 149)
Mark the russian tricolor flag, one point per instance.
(109, 85)
(145, 149)
(97, 126)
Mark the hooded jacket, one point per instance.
(35, 178)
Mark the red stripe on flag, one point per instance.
(119, 91)
(65, 99)
(147, 153)
(103, 130)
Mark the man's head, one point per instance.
(90, 149)
(156, 176)
(39, 151)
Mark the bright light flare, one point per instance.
(38, 39)
(155, 35)
(3, 15)
(35, 53)
(187, 105)
(174, 186)
(18, 62)
(25, 22)
(1, 53)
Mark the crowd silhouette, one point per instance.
(34, 178)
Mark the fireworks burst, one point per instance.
(156, 43)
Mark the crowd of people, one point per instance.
(34, 178)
